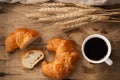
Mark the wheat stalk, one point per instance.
(87, 6)
(69, 15)
(110, 13)
(112, 10)
(57, 9)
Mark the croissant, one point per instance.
(31, 58)
(65, 59)
(20, 38)
(10, 43)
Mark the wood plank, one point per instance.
(10, 64)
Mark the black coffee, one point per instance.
(95, 48)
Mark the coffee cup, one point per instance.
(96, 48)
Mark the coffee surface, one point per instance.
(95, 48)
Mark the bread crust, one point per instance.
(29, 36)
(65, 59)
(11, 47)
(20, 38)
(19, 35)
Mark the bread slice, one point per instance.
(31, 58)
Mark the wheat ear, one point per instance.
(57, 9)
(88, 18)
(69, 15)
(110, 13)
(37, 15)
(53, 4)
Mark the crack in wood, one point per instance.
(3, 74)
(2, 10)
(2, 44)
(3, 59)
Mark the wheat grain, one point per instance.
(98, 17)
(69, 15)
(57, 9)
(84, 6)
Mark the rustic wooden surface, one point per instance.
(13, 16)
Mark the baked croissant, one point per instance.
(20, 38)
(65, 59)
(31, 58)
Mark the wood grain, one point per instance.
(13, 16)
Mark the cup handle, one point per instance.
(109, 61)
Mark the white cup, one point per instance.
(106, 58)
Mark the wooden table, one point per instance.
(13, 16)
